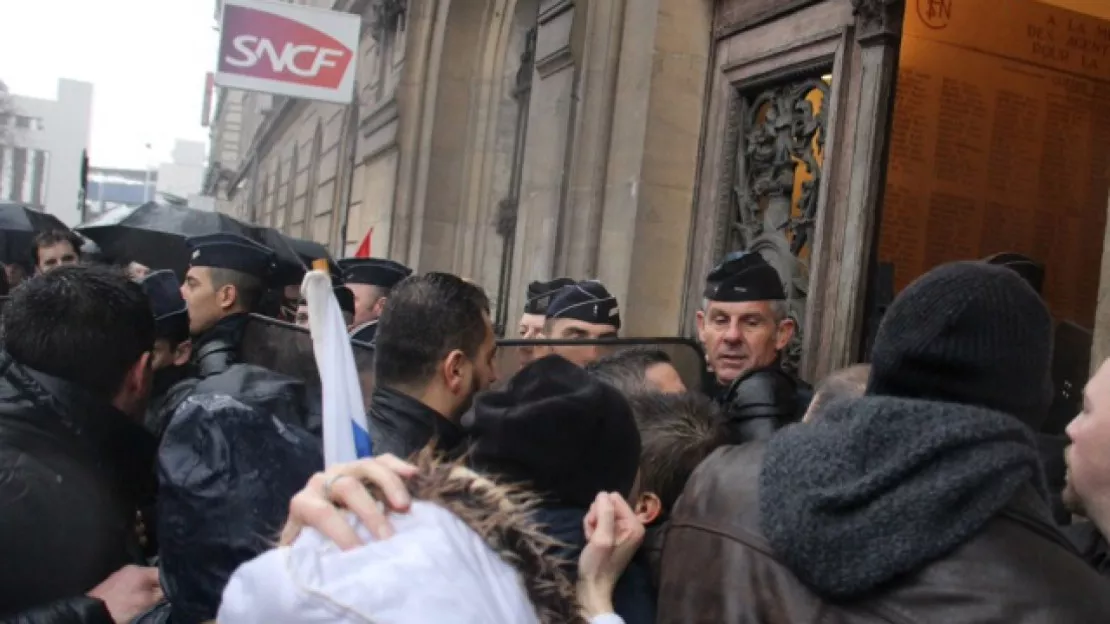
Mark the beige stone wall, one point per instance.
(600, 160)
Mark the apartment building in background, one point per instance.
(41, 149)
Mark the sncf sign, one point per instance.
(287, 49)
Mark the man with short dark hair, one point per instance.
(638, 370)
(75, 461)
(51, 249)
(435, 350)
(582, 311)
(677, 431)
(370, 280)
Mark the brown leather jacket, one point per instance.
(718, 568)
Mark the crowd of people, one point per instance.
(148, 473)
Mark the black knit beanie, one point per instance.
(557, 429)
(967, 332)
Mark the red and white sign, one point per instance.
(286, 49)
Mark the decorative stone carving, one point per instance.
(878, 19)
(783, 134)
(384, 17)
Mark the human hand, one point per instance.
(323, 501)
(129, 592)
(613, 534)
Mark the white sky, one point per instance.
(145, 58)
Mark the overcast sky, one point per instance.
(145, 58)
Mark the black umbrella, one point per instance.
(154, 234)
(18, 225)
(295, 255)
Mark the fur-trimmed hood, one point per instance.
(466, 552)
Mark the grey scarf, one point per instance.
(880, 487)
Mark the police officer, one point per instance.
(744, 326)
(235, 449)
(172, 347)
(583, 311)
(370, 279)
(227, 276)
(538, 297)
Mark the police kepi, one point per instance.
(370, 279)
(585, 311)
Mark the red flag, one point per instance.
(364, 247)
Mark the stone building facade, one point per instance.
(635, 141)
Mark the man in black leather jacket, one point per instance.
(435, 350)
(75, 460)
(744, 327)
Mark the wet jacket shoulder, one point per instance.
(218, 369)
(77, 609)
(718, 567)
(73, 472)
(760, 402)
(401, 425)
(226, 472)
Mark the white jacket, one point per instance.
(434, 569)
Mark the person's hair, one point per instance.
(780, 311)
(248, 288)
(677, 431)
(627, 370)
(88, 325)
(845, 383)
(49, 238)
(425, 318)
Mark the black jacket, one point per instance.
(633, 596)
(401, 425)
(73, 472)
(761, 401)
(226, 472)
(216, 369)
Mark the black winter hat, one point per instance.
(558, 430)
(971, 333)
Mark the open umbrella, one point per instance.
(18, 225)
(154, 234)
(294, 255)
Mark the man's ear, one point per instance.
(699, 317)
(784, 333)
(648, 508)
(182, 352)
(135, 385)
(453, 371)
(379, 305)
(226, 296)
